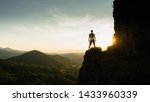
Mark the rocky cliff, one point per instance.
(132, 26)
(91, 71)
(127, 61)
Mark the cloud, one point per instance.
(58, 24)
(60, 31)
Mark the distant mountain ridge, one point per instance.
(36, 57)
(74, 57)
(8, 52)
(67, 58)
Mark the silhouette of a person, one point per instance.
(92, 39)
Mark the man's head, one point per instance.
(91, 31)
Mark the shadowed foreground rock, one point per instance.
(90, 72)
(107, 68)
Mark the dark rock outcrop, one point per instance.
(132, 26)
(127, 61)
(91, 68)
(107, 68)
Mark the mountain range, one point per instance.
(74, 57)
(37, 58)
(67, 58)
(8, 52)
(35, 67)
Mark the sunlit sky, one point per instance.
(55, 26)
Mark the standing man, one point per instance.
(92, 39)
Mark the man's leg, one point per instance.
(90, 44)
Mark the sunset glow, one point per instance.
(55, 28)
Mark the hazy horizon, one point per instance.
(55, 26)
